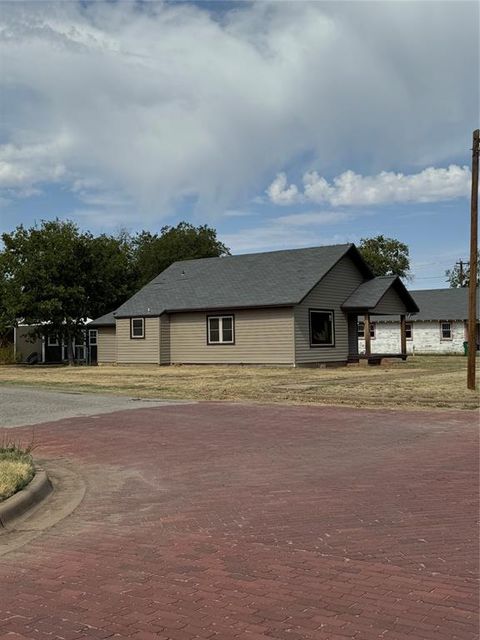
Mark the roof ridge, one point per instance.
(264, 253)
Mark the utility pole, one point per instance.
(472, 285)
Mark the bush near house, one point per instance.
(16, 469)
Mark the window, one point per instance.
(408, 330)
(361, 330)
(52, 341)
(322, 331)
(445, 330)
(220, 330)
(92, 337)
(137, 328)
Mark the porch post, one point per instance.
(366, 329)
(403, 335)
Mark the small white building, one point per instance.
(439, 327)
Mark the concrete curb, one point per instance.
(18, 504)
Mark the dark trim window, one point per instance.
(322, 328)
(137, 328)
(52, 341)
(220, 330)
(445, 330)
(361, 330)
(409, 331)
(92, 337)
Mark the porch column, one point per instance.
(366, 333)
(403, 335)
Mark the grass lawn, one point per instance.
(421, 382)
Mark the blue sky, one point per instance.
(281, 124)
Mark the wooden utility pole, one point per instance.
(472, 285)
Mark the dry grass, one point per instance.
(16, 471)
(421, 382)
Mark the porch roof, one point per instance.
(368, 295)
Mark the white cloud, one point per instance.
(280, 193)
(309, 218)
(166, 101)
(387, 187)
(22, 167)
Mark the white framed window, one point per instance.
(52, 341)
(220, 330)
(137, 328)
(322, 327)
(92, 337)
(446, 330)
(361, 329)
(409, 331)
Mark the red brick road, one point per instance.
(234, 521)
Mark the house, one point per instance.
(50, 348)
(291, 307)
(439, 327)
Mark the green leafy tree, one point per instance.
(112, 274)
(46, 268)
(459, 275)
(386, 256)
(154, 253)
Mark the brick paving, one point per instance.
(241, 521)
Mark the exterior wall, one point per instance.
(425, 338)
(390, 303)
(329, 294)
(262, 336)
(24, 345)
(164, 339)
(106, 344)
(138, 351)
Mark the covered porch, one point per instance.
(384, 295)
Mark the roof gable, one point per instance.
(369, 294)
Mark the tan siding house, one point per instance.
(296, 307)
(262, 336)
(106, 344)
(328, 295)
(144, 350)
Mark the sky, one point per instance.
(281, 124)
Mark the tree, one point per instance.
(111, 271)
(154, 253)
(459, 275)
(46, 269)
(386, 256)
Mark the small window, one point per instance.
(322, 330)
(220, 330)
(445, 330)
(408, 330)
(361, 330)
(137, 328)
(52, 341)
(92, 337)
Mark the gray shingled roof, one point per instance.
(275, 278)
(439, 304)
(369, 293)
(107, 320)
